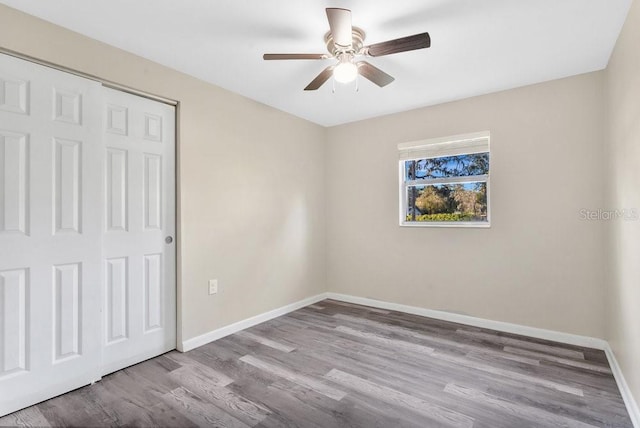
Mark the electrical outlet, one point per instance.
(213, 286)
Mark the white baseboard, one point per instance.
(539, 333)
(629, 401)
(209, 337)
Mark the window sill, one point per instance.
(448, 224)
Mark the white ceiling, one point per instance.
(478, 47)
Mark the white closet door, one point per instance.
(139, 300)
(50, 232)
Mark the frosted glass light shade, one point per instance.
(345, 72)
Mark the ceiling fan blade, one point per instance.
(269, 57)
(404, 44)
(340, 24)
(374, 74)
(320, 79)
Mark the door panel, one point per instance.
(117, 187)
(13, 291)
(14, 182)
(50, 232)
(117, 300)
(140, 300)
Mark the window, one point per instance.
(445, 181)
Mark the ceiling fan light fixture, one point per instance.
(346, 71)
(345, 43)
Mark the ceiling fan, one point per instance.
(345, 43)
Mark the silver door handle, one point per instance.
(168, 239)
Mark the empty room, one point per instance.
(320, 214)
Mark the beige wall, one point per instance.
(623, 149)
(539, 264)
(251, 181)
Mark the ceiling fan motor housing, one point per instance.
(357, 43)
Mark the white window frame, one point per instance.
(477, 142)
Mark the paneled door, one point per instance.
(139, 300)
(87, 224)
(50, 232)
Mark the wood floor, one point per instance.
(334, 364)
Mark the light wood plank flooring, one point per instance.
(334, 364)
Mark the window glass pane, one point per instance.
(447, 166)
(447, 202)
